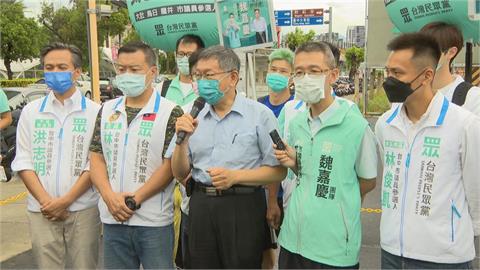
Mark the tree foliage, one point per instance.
(354, 56)
(298, 37)
(167, 63)
(131, 36)
(21, 38)
(69, 25)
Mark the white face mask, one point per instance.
(310, 89)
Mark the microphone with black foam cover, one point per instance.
(196, 109)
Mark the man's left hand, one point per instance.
(222, 178)
(273, 215)
(55, 208)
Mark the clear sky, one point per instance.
(345, 12)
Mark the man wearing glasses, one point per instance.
(181, 91)
(333, 153)
(230, 153)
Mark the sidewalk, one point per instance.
(14, 231)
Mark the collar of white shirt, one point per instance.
(434, 116)
(448, 89)
(52, 105)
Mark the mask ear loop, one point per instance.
(219, 81)
(410, 83)
(152, 81)
(417, 78)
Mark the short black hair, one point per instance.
(318, 46)
(190, 38)
(446, 35)
(257, 9)
(193, 59)
(59, 46)
(335, 52)
(134, 46)
(426, 50)
(231, 14)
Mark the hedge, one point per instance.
(17, 82)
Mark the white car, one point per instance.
(20, 96)
(83, 84)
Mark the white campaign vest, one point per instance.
(425, 213)
(185, 199)
(60, 147)
(132, 154)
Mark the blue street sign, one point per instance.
(283, 14)
(307, 21)
(283, 22)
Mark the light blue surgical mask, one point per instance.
(59, 82)
(277, 82)
(183, 66)
(210, 91)
(131, 85)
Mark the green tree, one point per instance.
(69, 24)
(166, 62)
(131, 36)
(21, 37)
(354, 56)
(298, 37)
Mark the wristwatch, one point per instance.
(131, 203)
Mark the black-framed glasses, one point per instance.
(208, 76)
(182, 54)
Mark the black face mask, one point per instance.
(398, 91)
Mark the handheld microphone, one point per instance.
(196, 108)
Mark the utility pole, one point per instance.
(330, 24)
(92, 38)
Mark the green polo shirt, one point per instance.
(175, 94)
(3, 102)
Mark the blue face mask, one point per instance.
(210, 91)
(277, 82)
(131, 85)
(60, 82)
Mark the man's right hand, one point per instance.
(117, 207)
(287, 157)
(187, 124)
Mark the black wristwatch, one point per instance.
(132, 204)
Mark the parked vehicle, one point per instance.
(109, 91)
(20, 96)
(17, 98)
(83, 84)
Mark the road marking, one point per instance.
(14, 198)
(371, 210)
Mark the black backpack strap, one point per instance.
(460, 93)
(165, 86)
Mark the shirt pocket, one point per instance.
(244, 150)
